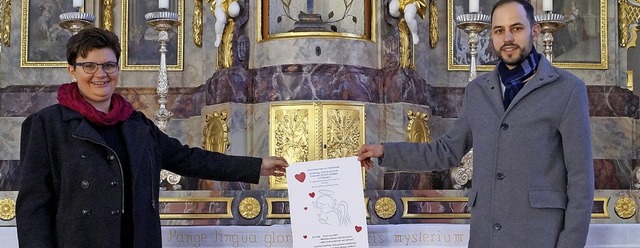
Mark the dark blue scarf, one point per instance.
(514, 79)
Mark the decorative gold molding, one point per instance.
(270, 208)
(216, 132)
(196, 24)
(625, 207)
(6, 23)
(407, 200)
(7, 209)
(628, 16)
(249, 208)
(605, 207)
(107, 18)
(226, 200)
(385, 207)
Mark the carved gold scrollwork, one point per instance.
(418, 129)
(433, 24)
(342, 133)
(249, 208)
(6, 23)
(406, 60)
(225, 52)
(385, 207)
(7, 209)
(196, 24)
(628, 15)
(107, 18)
(216, 132)
(625, 207)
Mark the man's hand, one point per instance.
(367, 152)
(274, 166)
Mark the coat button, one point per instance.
(85, 184)
(115, 212)
(111, 157)
(497, 226)
(114, 183)
(500, 176)
(83, 156)
(504, 126)
(86, 212)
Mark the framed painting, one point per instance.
(581, 44)
(43, 41)
(140, 46)
(314, 18)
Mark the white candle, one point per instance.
(163, 4)
(78, 3)
(474, 6)
(547, 5)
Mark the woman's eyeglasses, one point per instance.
(92, 67)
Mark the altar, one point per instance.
(404, 235)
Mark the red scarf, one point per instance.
(70, 97)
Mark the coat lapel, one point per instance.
(493, 90)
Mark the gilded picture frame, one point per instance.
(42, 40)
(343, 19)
(582, 44)
(140, 46)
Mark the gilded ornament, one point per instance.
(249, 208)
(625, 207)
(342, 133)
(216, 132)
(418, 129)
(405, 48)
(6, 24)
(196, 24)
(7, 209)
(433, 24)
(385, 207)
(107, 18)
(628, 14)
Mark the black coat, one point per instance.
(71, 192)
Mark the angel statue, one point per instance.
(223, 9)
(409, 8)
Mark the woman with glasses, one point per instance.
(90, 165)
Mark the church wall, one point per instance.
(25, 90)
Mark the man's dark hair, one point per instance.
(89, 39)
(525, 3)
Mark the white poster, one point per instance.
(326, 203)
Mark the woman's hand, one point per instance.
(274, 166)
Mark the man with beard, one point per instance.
(528, 123)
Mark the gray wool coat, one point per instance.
(533, 179)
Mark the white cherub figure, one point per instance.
(409, 8)
(223, 9)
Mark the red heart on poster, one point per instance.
(300, 177)
(304, 236)
(312, 194)
(358, 228)
(305, 208)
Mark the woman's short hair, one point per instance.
(89, 39)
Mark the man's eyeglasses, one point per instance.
(91, 67)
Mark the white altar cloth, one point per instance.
(405, 235)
